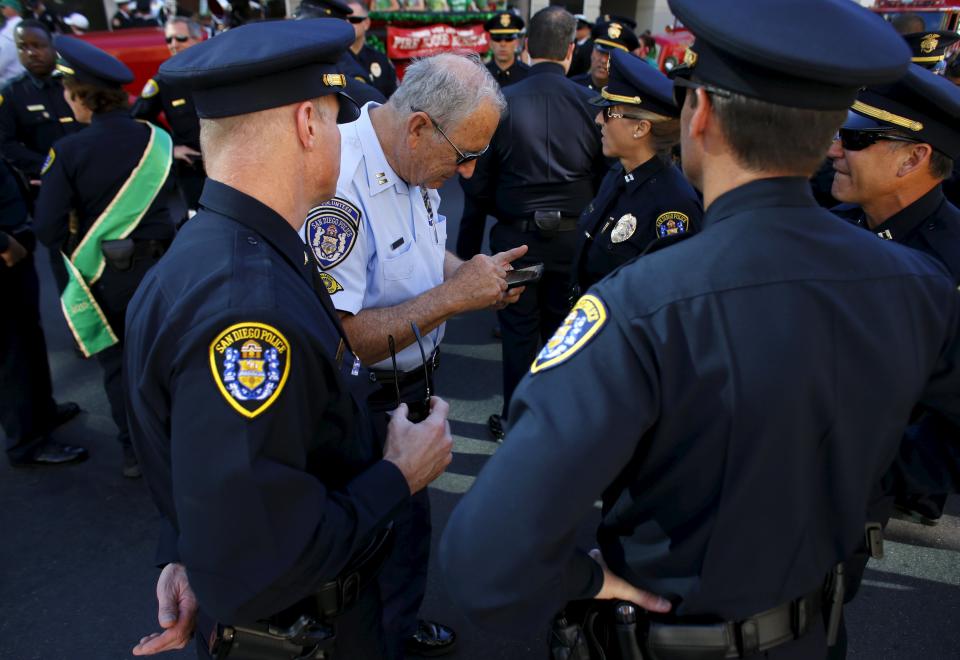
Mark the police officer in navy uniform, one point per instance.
(83, 176)
(246, 399)
(726, 501)
(378, 66)
(644, 198)
(176, 104)
(897, 147)
(930, 48)
(543, 167)
(505, 29)
(583, 47)
(28, 413)
(34, 114)
(608, 36)
(122, 18)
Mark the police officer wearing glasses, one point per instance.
(381, 243)
(720, 396)
(644, 198)
(247, 402)
(505, 30)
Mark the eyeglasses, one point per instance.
(852, 139)
(178, 38)
(681, 83)
(424, 404)
(357, 19)
(462, 156)
(610, 114)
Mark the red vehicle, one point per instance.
(673, 46)
(937, 15)
(141, 49)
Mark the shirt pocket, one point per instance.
(442, 231)
(400, 266)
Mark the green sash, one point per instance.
(85, 266)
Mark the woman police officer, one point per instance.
(644, 198)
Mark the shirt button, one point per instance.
(252, 240)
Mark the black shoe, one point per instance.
(131, 466)
(431, 639)
(53, 453)
(64, 413)
(909, 514)
(495, 424)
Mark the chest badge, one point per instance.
(672, 223)
(375, 70)
(626, 225)
(250, 363)
(584, 321)
(332, 230)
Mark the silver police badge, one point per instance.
(332, 231)
(624, 228)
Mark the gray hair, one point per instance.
(448, 87)
(193, 28)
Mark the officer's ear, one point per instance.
(642, 129)
(913, 158)
(419, 127)
(701, 112)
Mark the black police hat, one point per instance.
(634, 82)
(814, 54)
(262, 65)
(614, 36)
(617, 18)
(89, 64)
(930, 48)
(582, 21)
(504, 24)
(921, 105)
(324, 8)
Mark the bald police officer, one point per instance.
(246, 399)
(662, 393)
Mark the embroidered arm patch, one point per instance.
(583, 322)
(51, 156)
(671, 223)
(332, 230)
(250, 362)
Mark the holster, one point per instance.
(305, 639)
(551, 223)
(119, 254)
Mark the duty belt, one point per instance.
(403, 378)
(546, 221)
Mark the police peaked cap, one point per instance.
(811, 54)
(930, 48)
(614, 36)
(634, 82)
(88, 64)
(321, 8)
(504, 24)
(262, 65)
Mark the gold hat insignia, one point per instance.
(614, 30)
(929, 43)
(505, 20)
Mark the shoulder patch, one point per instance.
(1, 99)
(51, 156)
(332, 230)
(150, 90)
(583, 322)
(250, 362)
(331, 283)
(672, 222)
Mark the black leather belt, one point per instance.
(337, 596)
(566, 223)
(387, 377)
(756, 634)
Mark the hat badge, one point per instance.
(929, 43)
(690, 58)
(505, 20)
(614, 30)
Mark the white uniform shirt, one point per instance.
(10, 66)
(375, 242)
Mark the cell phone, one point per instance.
(524, 276)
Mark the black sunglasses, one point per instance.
(356, 19)
(503, 37)
(179, 39)
(462, 156)
(419, 408)
(852, 139)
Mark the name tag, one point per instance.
(176, 103)
(66, 120)
(36, 108)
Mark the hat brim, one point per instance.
(349, 109)
(858, 122)
(600, 102)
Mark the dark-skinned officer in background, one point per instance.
(103, 206)
(177, 107)
(247, 402)
(34, 115)
(379, 68)
(505, 29)
(543, 167)
(607, 37)
(896, 148)
(644, 198)
(28, 413)
(663, 392)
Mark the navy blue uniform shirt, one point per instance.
(176, 104)
(720, 397)
(631, 211)
(85, 171)
(33, 115)
(585, 80)
(515, 73)
(246, 415)
(379, 69)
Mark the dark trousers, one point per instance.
(26, 399)
(403, 578)
(359, 635)
(472, 223)
(529, 323)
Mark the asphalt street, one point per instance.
(76, 543)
